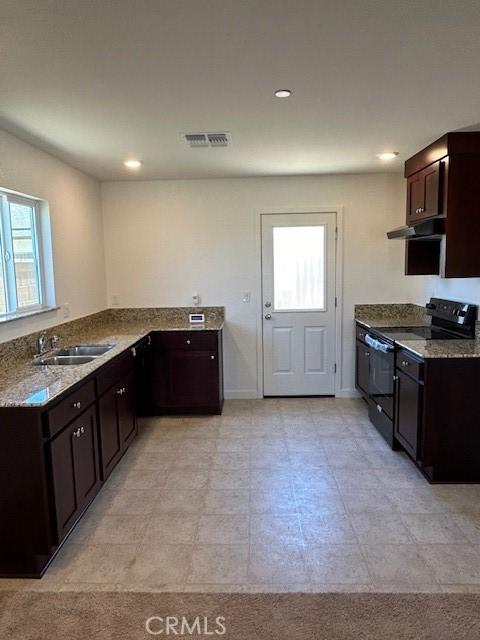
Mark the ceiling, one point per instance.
(95, 82)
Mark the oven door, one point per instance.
(380, 382)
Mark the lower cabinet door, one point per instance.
(126, 411)
(192, 378)
(85, 458)
(75, 470)
(110, 438)
(409, 413)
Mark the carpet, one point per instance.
(325, 616)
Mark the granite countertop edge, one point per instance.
(35, 386)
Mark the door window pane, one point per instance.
(3, 299)
(22, 222)
(299, 268)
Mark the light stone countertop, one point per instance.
(23, 384)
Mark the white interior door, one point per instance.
(298, 282)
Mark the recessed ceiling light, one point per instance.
(283, 93)
(133, 164)
(387, 155)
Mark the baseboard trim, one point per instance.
(348, 393)
(248, 394)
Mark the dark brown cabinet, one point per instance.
(118, 423)
(75, 470)
(362, 368)
(424, 193)
(407, 423)
(187, 372)
(443, 185)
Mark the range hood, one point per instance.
(433, 229)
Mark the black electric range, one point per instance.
(450, 321)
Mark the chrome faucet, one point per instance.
(42, 343)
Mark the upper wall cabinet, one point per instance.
(443, 182)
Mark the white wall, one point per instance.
(166, 239)
(77, 231)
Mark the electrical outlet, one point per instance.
(66, 309)
(196, 299)
(246, 297)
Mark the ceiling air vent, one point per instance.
(207, 139)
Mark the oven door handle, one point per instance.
(378, 345)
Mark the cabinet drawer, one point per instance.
(409, 365)
(361, 332)
(113, 372)
(70, 407)
(194, 340)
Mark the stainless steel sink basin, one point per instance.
(58, 360)
(78, 354)
(84, 350)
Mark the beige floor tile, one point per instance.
(223, 529)
(401, 478)
(180, 501)
(173, 528)
(320, 502)
(190, 460)
(453, 563)
(219, 564)
(380, 528)
(350, 479)
(124, 501)
(341, 563)
(458, 498)
(272, 501)
(106, 563)
(111, 529)
(206, 445)
(469, 523)
(348, 459)
(273, 563)
(231, 460)
(224, 479)
(233, 445)
(180, 479)
(397, 563)
(315, 458)
(433, 528)
(330, 528)
(367, 501)
(275, 529)
(137, 478)
(418, 500)
(227, 502)
(159, 564)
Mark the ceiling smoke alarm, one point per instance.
(222, 139)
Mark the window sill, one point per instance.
(10, 317)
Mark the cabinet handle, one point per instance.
(82, 429)
(212, 357)
(188, 341)
(77, 405)
(367, 354)
(76, 433)
(405, 363)
(120, 392)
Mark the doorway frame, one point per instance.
(338, 286)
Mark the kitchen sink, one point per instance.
(59, 360)
(84, 350)
(78, 354)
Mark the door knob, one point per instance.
(268, 316)
(268, 304)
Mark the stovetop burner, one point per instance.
(418, 333)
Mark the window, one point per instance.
(299, 268)
(22, 276)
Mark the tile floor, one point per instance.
(274, 495)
